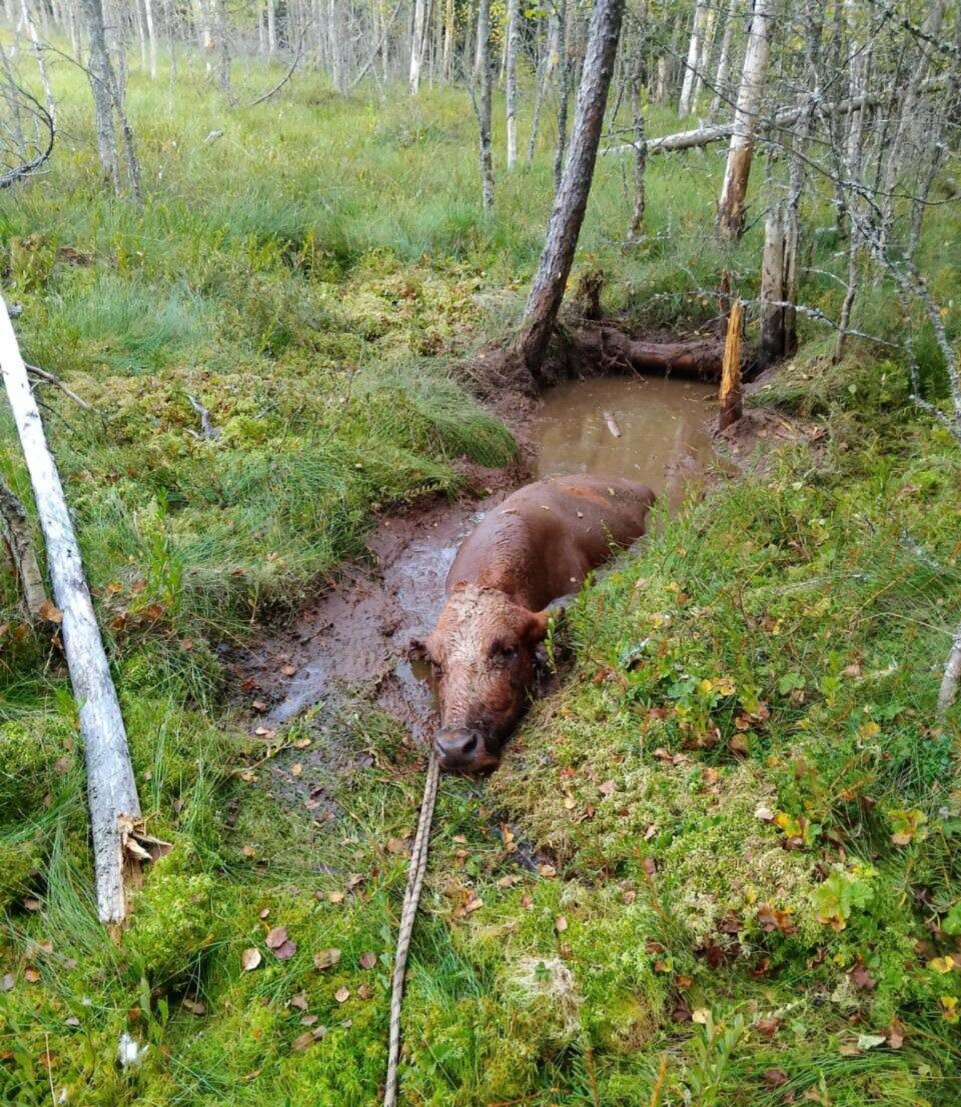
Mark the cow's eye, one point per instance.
(508, 651)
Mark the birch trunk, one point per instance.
(693, 53)
(513, 44)
(417, 46)
(151, 36)
(484, 109)
(570, 200)
(730, 214)
(271, 29)
(563, 92)
(111, 788)
(724, 59)
(707, 45)
(41, 63)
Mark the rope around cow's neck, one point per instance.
(415, 880)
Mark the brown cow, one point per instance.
(537, 546)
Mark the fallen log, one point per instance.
(15, 528)
(115, 820)
(608, 350)
(721, 132)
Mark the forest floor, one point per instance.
(720, 863)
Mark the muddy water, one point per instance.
(662, 441)
(353, 638)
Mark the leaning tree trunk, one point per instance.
(484, 107)
(730, 213)
(111, 787)
(513, 44)
(100, 72)
(570, 200)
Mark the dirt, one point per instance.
(351, 640)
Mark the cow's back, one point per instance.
(543, 540)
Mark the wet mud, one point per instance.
(350, 642)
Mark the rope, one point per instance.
(415, 880)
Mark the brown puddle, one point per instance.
(353, 637)
(663, 436)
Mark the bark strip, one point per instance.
(730, 397)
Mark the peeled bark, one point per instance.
(570, 200)
(952, 674)
(111, 787)
(730, 214)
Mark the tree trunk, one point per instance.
(111, 787)
(730, 398)
(41, 63)
(101, 77)
(223, 51)
(773, 289)
(730, 214)
(724, 59)
(484, 108)
(693, 53)
(563, 92)
(513, 44)
(952, 674)
(152, 37)
(707, 45)
(15, 528)
(417, 46)
(271, 28)
(570, 200)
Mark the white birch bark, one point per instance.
(151, 36)
(693, 53)
(513, 44)
(707, 45)
(730, 214)
(724, 59)
(111, 787)
(417, 46)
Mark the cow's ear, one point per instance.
(536, 629)
(418, 649)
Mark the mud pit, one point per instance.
(352, 639)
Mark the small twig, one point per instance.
(51, 378)
(208, 431)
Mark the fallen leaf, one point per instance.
(765, 814)
(861, 978)
(31, 903)
(364, 992)
(276, 937)
(649, 866)
(396, 845)
(342, 994)
(560, 924)
(31, 975)
(895, 1035)
(296, 770)
(289, 670)
(265, 912)
(326, 958)
(250, 959)
(194, 1006)
(547, 871)
(7, 982)
(768, 1026)
(299, 1001)
(50, 612)
(871, 1041)
(607, 788)
(308, 1020)
(303, 1042)
(335, 897)
(774, 1078)
(368, 960)
(700, 1015)
(248, 851)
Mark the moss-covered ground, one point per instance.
(720, 863)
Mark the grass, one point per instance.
(683, 886)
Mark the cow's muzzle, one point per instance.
(459, 748)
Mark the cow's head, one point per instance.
(482, 650)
